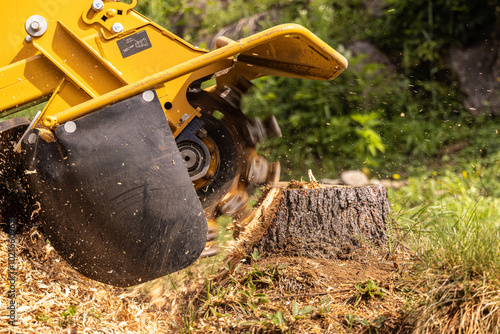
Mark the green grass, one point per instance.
(452, 224)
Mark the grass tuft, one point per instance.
(455, 233)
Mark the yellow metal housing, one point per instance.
(80, 60)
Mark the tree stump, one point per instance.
(306, 219)
(326, 222)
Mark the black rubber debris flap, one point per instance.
(116, 200)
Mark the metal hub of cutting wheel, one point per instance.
(195, 160)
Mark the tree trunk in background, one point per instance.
(328, 222)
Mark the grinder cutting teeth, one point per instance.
(235, 169)
(131, 156)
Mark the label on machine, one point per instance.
(133, 44)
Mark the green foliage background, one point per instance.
(402, 119)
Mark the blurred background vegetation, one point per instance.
(400, 115)
(397, 111)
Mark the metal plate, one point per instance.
(133, 44)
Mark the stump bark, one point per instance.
(305, 219)
(326, 221)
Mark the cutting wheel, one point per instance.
(235, 168)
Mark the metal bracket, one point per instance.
(109, 15)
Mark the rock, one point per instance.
(246, 26)
(372, 55)
(330, 181)
(374, 7)
(394, 184)
(478, 70)
(354, 178)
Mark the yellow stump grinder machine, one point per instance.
(127, 159)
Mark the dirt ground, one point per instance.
(363, 293)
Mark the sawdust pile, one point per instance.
(53, 298)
